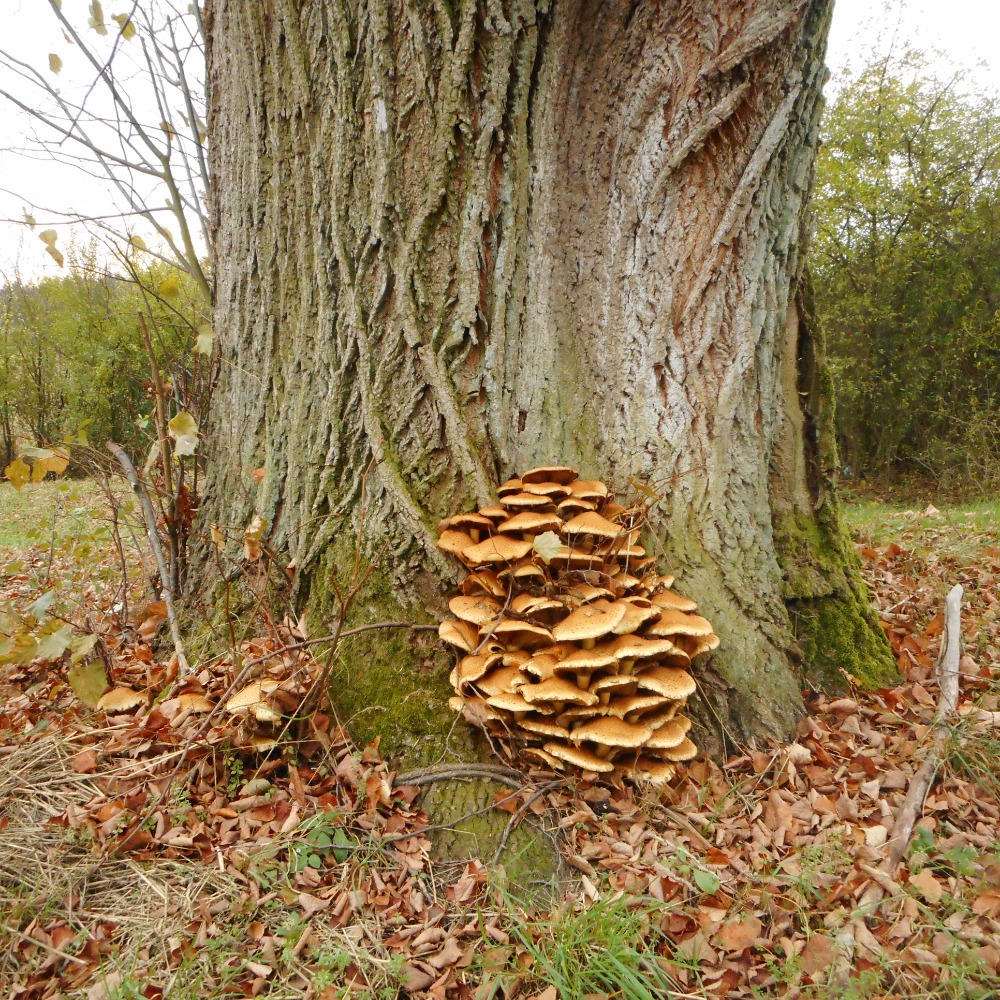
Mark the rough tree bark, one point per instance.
(456, 240)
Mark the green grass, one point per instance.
(604, 949)
(30, 515)
(960, 529)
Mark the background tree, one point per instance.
(456, 241)
(906, 260)
(73, 365)
(132, 119)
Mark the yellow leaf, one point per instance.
(184, 430)
(30, 219)
(252, 536)
(644, 489)
(55, 63)
(57, 462)
(547, 545)
(96, 19)
(927, 885)
(18, 472)
(37, 472)
(205, 340)
(126, 27)
(49, 237)
(218, 539)
(138, 242)
(170, 286)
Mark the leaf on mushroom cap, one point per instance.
(590, 621)
(671, 682)
(673, 622)
(531, 522)
(474, 709)
(579, 756)
(455, 543)
(557, 689)
(591, 523)
(496, 549)
(120, 699)
(550, 473)
(475, 608)
(612, 732)
(673, 600)
(462, 634)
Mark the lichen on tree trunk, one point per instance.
(455, 241)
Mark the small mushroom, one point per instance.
(475, 609)
(495, 550)
(589, 622)
(579, 757)
(561, 474)
(253, 700)
(120, 699)
(462, 634)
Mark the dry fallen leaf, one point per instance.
(738, 934)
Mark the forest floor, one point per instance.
(153, 854)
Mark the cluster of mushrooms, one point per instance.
(573, 643)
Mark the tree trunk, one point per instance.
(457, 240)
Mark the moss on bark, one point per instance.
(835, 626)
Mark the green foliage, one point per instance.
(73, 366)
(906, 262)
(607, 948)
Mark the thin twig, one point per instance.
(948, 675)
(154, 541)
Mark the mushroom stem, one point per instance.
(583, 680)
(474, 534)
(588, 643)
(626, 666)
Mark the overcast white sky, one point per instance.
(966, 32)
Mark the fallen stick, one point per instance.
(913, 804)
(154, 541)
